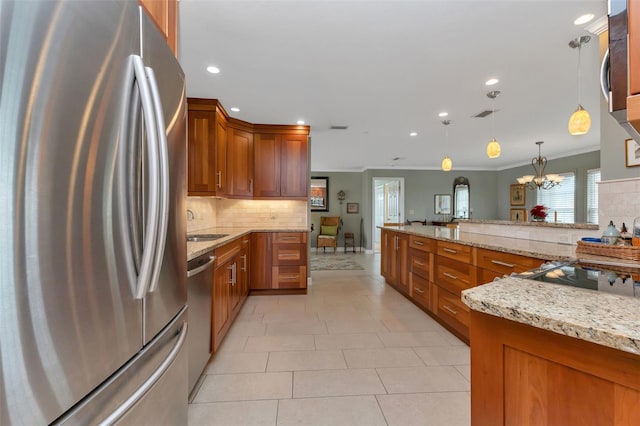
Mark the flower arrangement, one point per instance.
(538, 212)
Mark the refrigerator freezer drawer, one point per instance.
(151, 389)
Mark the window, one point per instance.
(593, 177)
(560, 199)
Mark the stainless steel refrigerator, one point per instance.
(92, 228)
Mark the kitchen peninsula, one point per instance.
(540, 353)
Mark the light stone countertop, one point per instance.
(540, 249)
(602, 318)
(197, 248)
(545, 224)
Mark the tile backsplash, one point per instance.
(618, 200)
(211, 212)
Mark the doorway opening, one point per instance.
(388, 205)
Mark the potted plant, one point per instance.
(538, 213)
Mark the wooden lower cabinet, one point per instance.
(522, 375)
(451, 310)
(279, 261)
(221, 302)
(395, 260)
(420, 291)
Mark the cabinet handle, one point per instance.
(454, 312)
(288, 256)
(417, 262)
(418, 290)
(446, 274)
(289, 277)
(508, 265)
(418, 243)
(219, 174)
(288, 238)
(245, 241)
(233, 274)
(396, 237)
(251, 185)
(448, 250)
(244, 262)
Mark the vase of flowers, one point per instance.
(538, 213)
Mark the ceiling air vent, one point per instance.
(482, 114)
(338, 127)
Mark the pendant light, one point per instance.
(580, 120)
(493, 147)
(446, 161)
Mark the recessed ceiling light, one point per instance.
(584, 19)
(300, 122)
(413, 134)
(213, 70)
(443, 114)
(235, 109)
(491, 81)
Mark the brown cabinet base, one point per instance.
(522, 375)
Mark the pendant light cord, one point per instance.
(579, 50)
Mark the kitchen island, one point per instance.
(549, 354)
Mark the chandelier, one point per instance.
(540, 180)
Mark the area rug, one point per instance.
(333, 262)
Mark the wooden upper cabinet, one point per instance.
(266, 149)
(294, 166)
(164, 14)
(206, 153)
(281, 165)
(239, 162)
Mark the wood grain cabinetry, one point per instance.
(523, 375)
(239, 162)
(633, 64)
(206, 147)
(279, 261)
(281, 163)
(395, 264)
(421, 270)
(494, 264)
(230, 286)
(164, 14)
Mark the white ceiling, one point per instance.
(387, 68)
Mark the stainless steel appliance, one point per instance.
(199, 293)
(92, 248)
(614, 69)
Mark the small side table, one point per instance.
(349, 241)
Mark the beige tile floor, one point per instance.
(353, 351)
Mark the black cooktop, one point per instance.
(611, 279)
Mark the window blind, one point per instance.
(593, 177)
(561, 199)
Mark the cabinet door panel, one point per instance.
(201, 153)
(294, 166)
(220, 303)
(239, 162)
(260, 271)
(266, 151)
(221, 155)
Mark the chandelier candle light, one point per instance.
(446, 161)
(493, 147)
(580, 120)
(540, 180)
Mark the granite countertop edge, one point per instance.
(605, 319)
(466, 238)
(197, 248)
(545, 224)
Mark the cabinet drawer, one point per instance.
(505, 263)
(486, 276)
(289, 254)
(420, 290)
(452, 311)
(290, 237)
(420, 263)
(227, 251)
(453, 275)
(422, 243)
(289, 277)
(455, 251)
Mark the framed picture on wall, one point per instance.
(352, 208)
(632, 153)
(318, 196)
(518, 195)
(518, 215)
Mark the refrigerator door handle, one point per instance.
(148, 384)
(151, 227)
(163, 218)
(604, 76)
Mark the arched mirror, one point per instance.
(461, 198)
